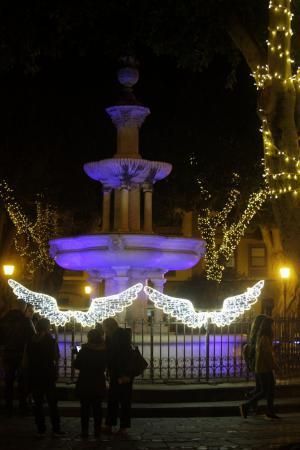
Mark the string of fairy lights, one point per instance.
(281, 166)
(221, 237)
(103, 307)
(32, 236)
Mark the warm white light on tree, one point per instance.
(221, 236)
(281, 161)
(32, 236)
(100, 308)
(184, 311)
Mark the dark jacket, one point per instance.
(118, 353)
(42, 359)
(264, 361)
(91, 363)
(16, 332)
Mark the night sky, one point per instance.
(54, 121)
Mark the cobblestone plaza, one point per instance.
(208, 433)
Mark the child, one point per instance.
(90, 386)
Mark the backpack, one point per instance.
(246, 354)
(136, 363)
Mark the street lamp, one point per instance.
(8, 269)
(87, 289)
(285, 275)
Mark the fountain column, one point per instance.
(106, 209)
(134, 209)
(124, 206)
(117, 197)
(147, 189)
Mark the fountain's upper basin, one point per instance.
(132, 250)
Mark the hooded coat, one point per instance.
(42, 359)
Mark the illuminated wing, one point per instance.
(184, 311)
(43, 304)
(179, 308)
(236, 305)
(103, 307)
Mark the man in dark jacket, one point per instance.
(91, 386)
(42, 363)
(118, 347)
(16, 332)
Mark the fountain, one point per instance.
(127, 251)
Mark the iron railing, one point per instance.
(178, 353)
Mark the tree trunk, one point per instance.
(278, 109)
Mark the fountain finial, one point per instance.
(128, 74)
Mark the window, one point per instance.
(257, 257)
(257, 260)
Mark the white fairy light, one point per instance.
(100, 308)
(280, 165)
(183, 309)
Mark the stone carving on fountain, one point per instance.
(127, 251)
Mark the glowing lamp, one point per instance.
(284, 272)
(8, 269)
(87, 289)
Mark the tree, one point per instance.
(193, 33)
(278, 107)
(32, 236)
(223, 236)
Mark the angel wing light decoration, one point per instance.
(184, 311)
(100, 308)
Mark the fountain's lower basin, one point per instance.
(92, 252)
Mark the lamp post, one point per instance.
(8, 270)
(285, 275)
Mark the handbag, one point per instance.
(137, 363)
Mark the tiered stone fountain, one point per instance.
(126, 251)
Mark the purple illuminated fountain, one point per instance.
(126, 251)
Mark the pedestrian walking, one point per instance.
(91, 385)
(249, 351)
(264, 366)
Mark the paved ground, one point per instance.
(219, 433)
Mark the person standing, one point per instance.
(91, 386)
(264, 366)
(118, 346)
(42, 363)
(16, 332)
(29, 313)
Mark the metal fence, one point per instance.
(178, 353)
